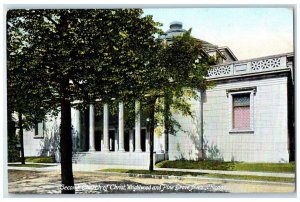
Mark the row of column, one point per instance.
(121, 127)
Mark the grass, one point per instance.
(233, 166)
(39, 159)
(270, 167)
(177, 173)
(29, 165)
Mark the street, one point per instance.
(34, 182)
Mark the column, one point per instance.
(121, 127)
(116, 141)
(92, 129)
(147, 141)
(138, 127)
(105, 127)
(77, 130)
(131, 140)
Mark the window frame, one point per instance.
(230, 94)
(36, 132)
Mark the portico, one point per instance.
(118, 139)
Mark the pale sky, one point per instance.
(248, 32)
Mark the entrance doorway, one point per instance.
(126, 140)
(143, 140)
(98, 140)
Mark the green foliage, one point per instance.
(213, 153)
(69, 55)
(268, 167)
(177, 74)
(12, 141)
(236, 166)
(13, 152)
(205, 165)
(39, 159)
(102, 52)
(62, 55)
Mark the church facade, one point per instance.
(248, 115)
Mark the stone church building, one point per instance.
(248, 115)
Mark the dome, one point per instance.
(175, 30)
(176, 25)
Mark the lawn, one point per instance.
(38, 159)
(29, 165)
(177, 173)
(236, 166)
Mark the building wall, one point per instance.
(48, 144)
(268, 143)
(186, 143)
(41, 145)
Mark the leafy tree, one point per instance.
(60, 44)
(24, 98)
(79, 55)
(177, 71)
(60, 56)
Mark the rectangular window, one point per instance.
(241, 111)
(39, 129)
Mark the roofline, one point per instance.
(289, 54)
(230, 51)
(253, 74)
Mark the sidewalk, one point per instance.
(226, 172)
(96, 167)
(51, 167)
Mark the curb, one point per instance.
(224, 180)
(45, 169)
(28, 162)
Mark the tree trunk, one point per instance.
(11, 130)
(12, 152)
(167, 122)
(151, 141)
(67, 179)
(21, 137)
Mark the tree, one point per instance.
(81, 55)
(27, 100)
(179, 69)
(57, 41)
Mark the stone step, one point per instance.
(77, 156)
(112, 158)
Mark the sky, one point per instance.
(248, 32)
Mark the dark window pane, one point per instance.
(241, 100)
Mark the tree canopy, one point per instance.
(57, 57)
(66, 55)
